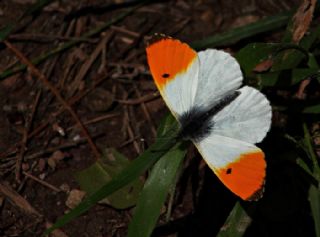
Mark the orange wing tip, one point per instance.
(257, 195)
(245, 176)
(168, 57)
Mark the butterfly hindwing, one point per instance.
(229, 149)
(175, 68)
(239, 165)
(247, 118)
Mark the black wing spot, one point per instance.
(229, 170)
(165, 75)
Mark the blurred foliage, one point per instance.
(101, 172)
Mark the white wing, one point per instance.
(199, 80)
(247, 118)
(239, 165)
(219, 75)
(175, 70)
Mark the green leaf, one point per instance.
(300, 162)
(314, 191)
(286, 57)
(101, 172)
(311, 153)
(291, 58)
(253, 54)
(314, 109)
(312, 62)
(234, 35)
(166, 124)
(286, 77)
(236, 223)
(156, 188)
(260, 52)
(314, 199)
(133, 171)
(155, 191)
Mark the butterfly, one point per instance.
(224, 121)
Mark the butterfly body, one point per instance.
(197, 123)
(224, 121)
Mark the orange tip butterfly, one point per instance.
(224, 121)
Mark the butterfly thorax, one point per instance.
(197, 123)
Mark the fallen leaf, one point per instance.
(302, 20)
(74, 198)
(300, 94)
(57, 232)
(263, 66)
(52, 163)
(55, 158)
(101, 172)
(65, 187)
(58, 155)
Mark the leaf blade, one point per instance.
(234, 35)
(155, 192)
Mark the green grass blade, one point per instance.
(236, 223)
(300, 162)
(156, 188)
(314, 199)
(6, 31)
(311, 153)
(314, 191)
(133, 171)
(155, 191)
(101, 172)
(35, 7)
(314, 109)
(234, 35)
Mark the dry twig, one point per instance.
(25, 138)
(141, 99)
(44, 183)
(45, 81)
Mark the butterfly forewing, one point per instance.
(175, 68)
(219, 75)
